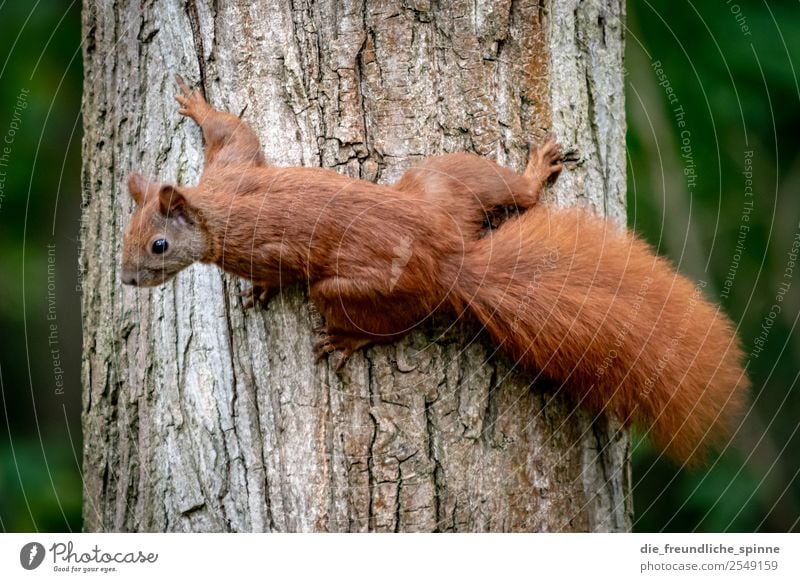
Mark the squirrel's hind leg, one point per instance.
(357, 315)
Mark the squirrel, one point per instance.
(565, 293)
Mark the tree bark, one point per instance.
(199, 416)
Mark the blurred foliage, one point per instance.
(739, 92)
(729, 65)
(40, 438)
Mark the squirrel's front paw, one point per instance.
(345, 345)
(192, 103)
(256, 295)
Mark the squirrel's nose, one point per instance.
(129, 278)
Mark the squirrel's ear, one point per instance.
(137, 186)
(173, 204)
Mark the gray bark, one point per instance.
(199, 416)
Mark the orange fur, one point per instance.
(596, 310)
(563, 292)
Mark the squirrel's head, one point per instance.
(164, 236)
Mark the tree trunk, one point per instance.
(199, 416)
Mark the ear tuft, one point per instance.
(173, 204)
(137, 186)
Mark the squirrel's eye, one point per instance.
(159, 246)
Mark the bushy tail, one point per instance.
(593, 308)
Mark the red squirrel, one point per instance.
(565, 293)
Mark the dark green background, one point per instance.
(739, 93)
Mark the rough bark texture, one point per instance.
(199, 416)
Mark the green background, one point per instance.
(730, 67)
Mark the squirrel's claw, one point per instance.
(322, 348)
(182, 84)
(341, 361)
(192, 103)
(256, 295)
(544, 162)
(345, 345)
